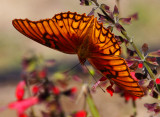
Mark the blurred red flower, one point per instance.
(20, 89)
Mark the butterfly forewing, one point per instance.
(63, 32)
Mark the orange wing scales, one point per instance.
(73, 33)
(62, 32)
(105, 41)
(116, 69)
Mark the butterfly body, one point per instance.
(73, 33)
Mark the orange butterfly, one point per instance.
(73, 33)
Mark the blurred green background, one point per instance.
(14, 45)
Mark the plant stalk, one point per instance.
(92, 106)
(139, 54)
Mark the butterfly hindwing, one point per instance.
(116, 69)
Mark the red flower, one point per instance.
(158, 81)
(35, 89)
(22, 105)
(42, 73)
(129, 96)
(23, 115)
(140, 65)
(56, 90)
(81, 113)
(110, 89)
(73, 90)
(20, 90)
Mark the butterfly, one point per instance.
(83, 35)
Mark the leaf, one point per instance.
(134, 16)
(125, 20)
(119, 27)
(115, 11)
(145, 47)
(134, 66)
(105, 8)
(152, 60)
(103, 19)
(85, 2)
(154, 53)
(151, 107)
(92, 12)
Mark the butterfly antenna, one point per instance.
(93, 77)
(72, 68)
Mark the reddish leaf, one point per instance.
(105, 8)
(85, 2)
(134, 16)
(115, 11)
(125, 20)
(103, 19)
(154, 54)
(92, 12)
(119, 27)
(152, 60)
(151, 85)
(145, 47)
(134, 66)
(151, 107)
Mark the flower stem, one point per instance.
(29, 94)
(138, 53)
(92, 106)
(134, 108)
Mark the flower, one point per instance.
(35, 89)
(140, 65)
(81, 113)
(24, 104)
(56, 90)
(129, 96)
(20, 89)
(110, 89)
(158, 81)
